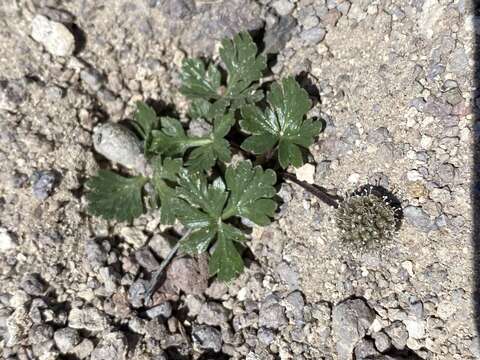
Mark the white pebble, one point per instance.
(54, 36)
(306, 173)
(6, 241)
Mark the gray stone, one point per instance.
(112, 346)
(44, 182)
(95, 255)
(40, 333)
(161, 245)
(265, 336)
(350, 322)
(398, 334)
(417, 217)
(84, 349)
(33, 284)
(109, 279)
(12, 94)
(365, 350)
(66, 339)
(92, 78)
(54, 36)
(119, 145)
(88, 318)
(7, 241)
(146, 259)
(379, 135)
(136, 293)
(313, 36)
(295, 303)
(272, 314)
(382, 341)
(446, 173)
(214, 314)
(194, 304)
(163, 309)
(277, 36)
(207, 338)
(186, 275)
(288, 275)
(283, 7)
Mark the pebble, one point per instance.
(112, 346)
(207, 338)
(278, 35)
(288, 275)
(265, 336)
(12, 94)
(186, 275)
(146, 259)
(40, 333)
(33, 284)
(365, 350)
(163, 309)
(306, 173)
(84, 349)
(160, 245)
(7, 241)
(66, 339)
(88, 318)
(283, 7)
(54, 36)
(398, 334)
(382, 341)
(119, 145)
(350, 322)
(212, 313)
(417, 217)
(133, 236)
(44, 182)
(92, 78)
(136, 293)
(272, 314)
(313, 36)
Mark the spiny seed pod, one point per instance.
(368, 217)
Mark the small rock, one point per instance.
(415, 216)
(12, 94)
(283, 7)
(109, 279)
(278, 35)
(54, 36)
(7, 241)
(119, 145)
(398, 333)
(146, 259)
(33, 284)
(112, 346)
(194, 304)
(382, 341)
(288, 275)
(163, 309)
(95, 255)
(44, 182)
(295, 303)
(161, 245)
(350, 322)
(313, 36)
(265, 336)
(66, 339)
(272, 314)
(207, 338)
(415, 328)
(185, 274)
(217, 290)
(84, 349)
(214, 314)
(365, 350)
(40, 333)
(133, 236)
(88, 318)
(92, 78)
(136, 293)
(306, 173)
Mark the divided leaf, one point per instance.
(282, 126)
(251, 190)
(163, 171)
(244, 68)
(113, 196)
(205, 209)
(145, 121)
(172, 140)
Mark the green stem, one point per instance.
(192, 142)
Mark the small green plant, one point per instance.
(194, 178)
(194, 181)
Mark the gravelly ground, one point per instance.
(392, 79)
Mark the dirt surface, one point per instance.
(393, 81)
